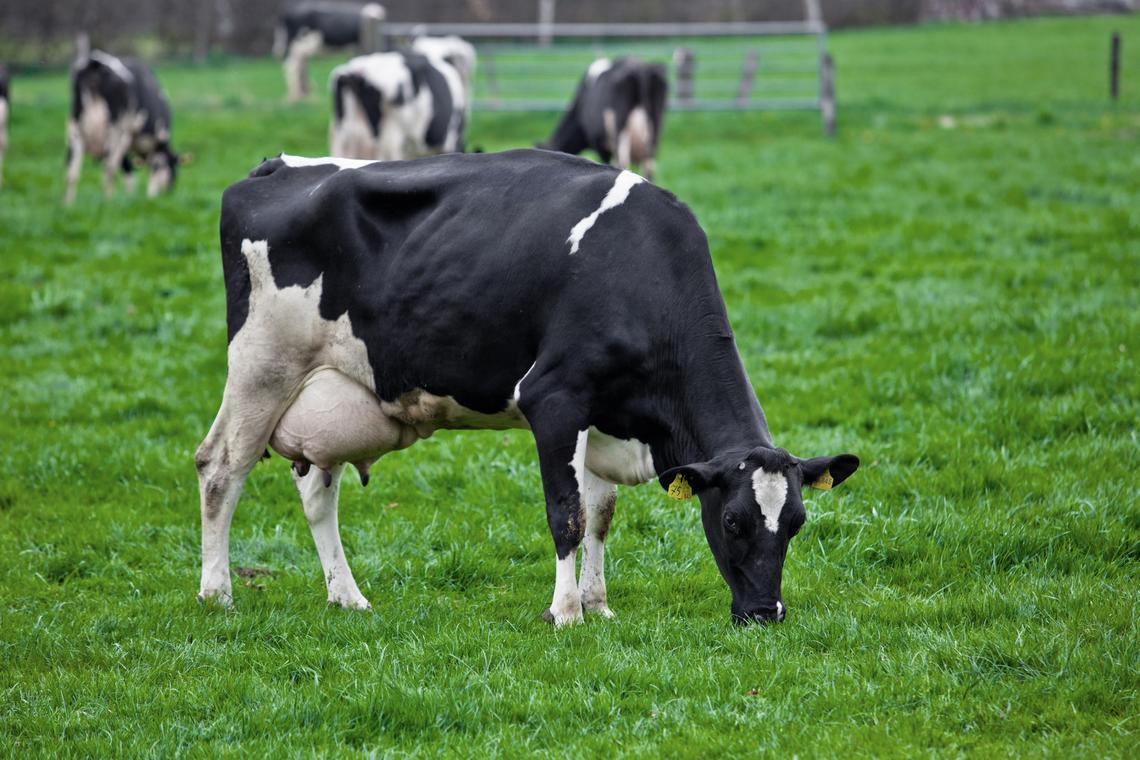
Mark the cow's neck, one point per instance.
(713, 408)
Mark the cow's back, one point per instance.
(456, 270)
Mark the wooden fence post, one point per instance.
(685, 62)
(827, 94)
(747, 77)
(1114, 68)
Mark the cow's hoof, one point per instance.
(216, 596)
(601, 609)
(560, 620)
(349, 603)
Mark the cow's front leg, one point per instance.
(560, 433)
(120, 142)
(320, 502)
(599, 497)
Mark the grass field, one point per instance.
(950, 289)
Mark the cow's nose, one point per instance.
(764, 615)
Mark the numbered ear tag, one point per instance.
(680, 488)
(824, 481)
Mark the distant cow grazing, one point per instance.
(118, 112)
(305, 29)
(618, 111)
(394, 106)
(370, 304)
(5, 83)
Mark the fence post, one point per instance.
(372, 28)
(747, 77)
(827, 94)
(685, 61)
(545, 22)
(1114, 68)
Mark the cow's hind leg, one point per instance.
(233, 446)
(320, 502)
(560, 430)
(74, 162)
(599, 497)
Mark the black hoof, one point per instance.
(548, 615)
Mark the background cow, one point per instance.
(455, 50)
(393, 106)
(5, 82)
(305, 29)
(370, 304)
(618, 111)
(118, 112)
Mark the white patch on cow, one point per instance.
(615, 197)
(518, 385)
(597, 68)
(94, 124)
(627, 462)
(159, 180)
(779, 609)
(578, 461)
(298, 162)
(114, 64)
(284, 327)
(304, 46)
(427, 412)
(771, 490)
(636, 140)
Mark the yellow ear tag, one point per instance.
(824, 481)
(680, 488)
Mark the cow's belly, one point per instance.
(334, 420)
(427, 413)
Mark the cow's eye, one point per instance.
(731, 524)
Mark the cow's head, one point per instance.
(163, 169)
(751, 507)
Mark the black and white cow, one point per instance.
(618, 111)
(5, 84)
(370, 304)
(394, 106)
(118, 112)
(305, 29)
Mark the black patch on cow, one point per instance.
(424, 74)
(338, 23)
(365, 94)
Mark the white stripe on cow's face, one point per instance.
(615, 197)
(339, 163)
(771, 489)
(597, 68)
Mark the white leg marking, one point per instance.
(599, 498)
(566, 606)
(615, 197)
(771, 489)
(320, 504)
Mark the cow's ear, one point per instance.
(683, 482)
(825, 473)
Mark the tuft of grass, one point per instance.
(954, 299)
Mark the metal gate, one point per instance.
(712, 66)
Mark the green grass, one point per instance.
(959, 306)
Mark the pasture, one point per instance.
(949, 289)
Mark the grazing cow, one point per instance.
(5, 82)
(118, 111)
(370, 304)
(618, 111)
(303, 30)
(394, 106)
